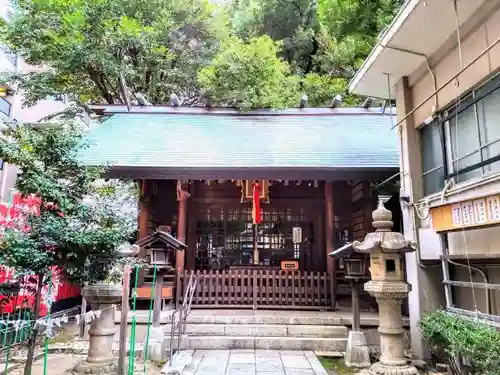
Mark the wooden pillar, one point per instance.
(143, 210)
(329, 240)
(181, 234)
(143, 221)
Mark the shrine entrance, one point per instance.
(225, 236)
(278, 263)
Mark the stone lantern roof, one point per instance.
(383, 237)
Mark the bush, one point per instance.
(451, 336)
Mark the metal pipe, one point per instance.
(487, 291)
(446, 269)
(468, 65)
(434, 80)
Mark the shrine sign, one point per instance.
(467, 214)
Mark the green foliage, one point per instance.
(182, 46)
(321, 89)
(450, 336)
(78, 228)
(158, 45)
(248, 75)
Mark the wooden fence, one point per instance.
(259, 289)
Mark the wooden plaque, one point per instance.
(289, 265)
(466, 214)
(247, 190)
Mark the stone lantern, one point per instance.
(160, 249)
(355, 266)
(387, 250)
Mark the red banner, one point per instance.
(14, 215)
(256, 214)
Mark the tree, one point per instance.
(157, 45)
(325, 40)
(249, 75)
(68, 232)
(171, 46)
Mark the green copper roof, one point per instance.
(155, 140)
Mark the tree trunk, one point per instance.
(32, 341)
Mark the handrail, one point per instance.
(178, 326)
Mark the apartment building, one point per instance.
(11, 104)
(440, 61)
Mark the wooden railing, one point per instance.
(259, 289)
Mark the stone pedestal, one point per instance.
(100, 358)
(357, 353)
(389, 296)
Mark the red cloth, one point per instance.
(256, 215)
(13, 215)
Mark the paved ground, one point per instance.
(254, 362)
(62, 364)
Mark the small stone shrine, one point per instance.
(387, 250)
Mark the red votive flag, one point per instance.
(256, 204)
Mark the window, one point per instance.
(5, 106)
(432, 157)
(464, 142)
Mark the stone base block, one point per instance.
(380, 369)
(357, 353)
(109, 368)
(157, 350)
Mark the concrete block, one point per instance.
(295, 361)
(255, 330)
(324, 319)
(242, 357)
(317, 331)
(156, 345)
(179, 361)
(316, 365)
(204, 329)
(357, 351)
(240, 369)
(263, 354)
(268, 364)
(262, 343)
(299, 371)
(278, 343)
(218, 342)
(328, 345)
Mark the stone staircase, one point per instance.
(290, 330)
(319, 331)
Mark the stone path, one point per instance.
(254, 362)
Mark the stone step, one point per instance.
(329, 318)
(264, 330)
(321, 319)
(259, 342)
(332, 320)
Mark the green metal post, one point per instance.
(149, 319)
(46, 339)
(131, 361)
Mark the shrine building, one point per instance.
(200, 171)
